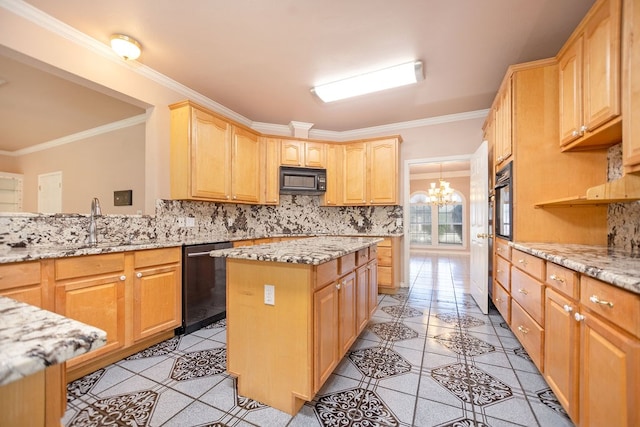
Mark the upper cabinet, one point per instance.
(211, 158)
(370, 172)
(502, 124)
(304, 153)
(333, 195)
(631, 86)
(271, 176)
(589, 80)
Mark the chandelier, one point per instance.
(442, 194)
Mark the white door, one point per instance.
(479, 227)
(50, 192)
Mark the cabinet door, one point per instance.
(355, 174)
(271, 164)
(609, 376)
(333, 195)
(382, 175)
(325, 336)
(561, 357)
(570, 81)
(210, 162)
(292, 153)
(362, 301)
(372, 271)
(157, 295)
(99, 302)
(347, 309)
(315, 154)
(631, 87)
(601, 83)
(245, 167)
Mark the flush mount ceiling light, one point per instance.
(125, 46)
(387, 78)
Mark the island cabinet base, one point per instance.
(282, 351)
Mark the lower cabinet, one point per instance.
(22, 282)
(389, 268)
(130, 295)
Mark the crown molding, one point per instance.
(121, 124)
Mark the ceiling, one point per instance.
(260, 58)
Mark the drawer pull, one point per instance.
(498, 299)
(524, 330)
(579, 317)
(523, 262)
(523, 291)
(138, 275)
(594, 299)
(338, 286)
(556, 278)
(567, 308)
(123, 278)
(498, 271)
(498, 249)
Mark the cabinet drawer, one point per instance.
(530, 333)
(502, 301)
(19, 274)
(533, 265)
(616, 305)
(347, 263)
(384, 256)
(68, 268)
(529, 293)
(373, 252)
(151, 257)
(386, 243)
(563, 280)
(503, 249)
(503, 273)
(326, 273)
(362, 256)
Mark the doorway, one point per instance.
(50, 192)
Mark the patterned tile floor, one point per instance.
(428, 357)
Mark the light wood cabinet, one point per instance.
(502, 126)
(22, 282)
(389, 265)
(631, 86)
(295, 344)
(271, 176)
(501, 295)
(589, 80)
(354, 183)
(333, 195)
(132, 296)
(308, 154)
(211, 158)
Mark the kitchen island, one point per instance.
(293, 310)
(34, 344)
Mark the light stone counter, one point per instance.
(313, 250)
(31, 339)
(616, 267)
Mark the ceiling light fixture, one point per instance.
(442, 194)
(387, 78)
(125, 46)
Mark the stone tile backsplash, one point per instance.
(623, 219)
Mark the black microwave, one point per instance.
(309, 181)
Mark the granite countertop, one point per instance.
(614, 266)
(313, 250)
(31, 339)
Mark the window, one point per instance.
(436, 225)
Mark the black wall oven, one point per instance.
(503, 219)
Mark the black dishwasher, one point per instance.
(204, 290)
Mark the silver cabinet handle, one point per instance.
(138, 275)
(567, 308)
(523, 291)
(524, 330)
(123, 278)
(594, 299)
(556, 278)
(579, 317)
(523, 262)
(575, 133)
(583, 129)
(338, 285)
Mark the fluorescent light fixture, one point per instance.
(125, 46)
(387, 78)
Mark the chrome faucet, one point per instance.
(93, 229)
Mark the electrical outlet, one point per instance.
(191, 221)
(269, 294)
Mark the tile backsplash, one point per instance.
(623, 219)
